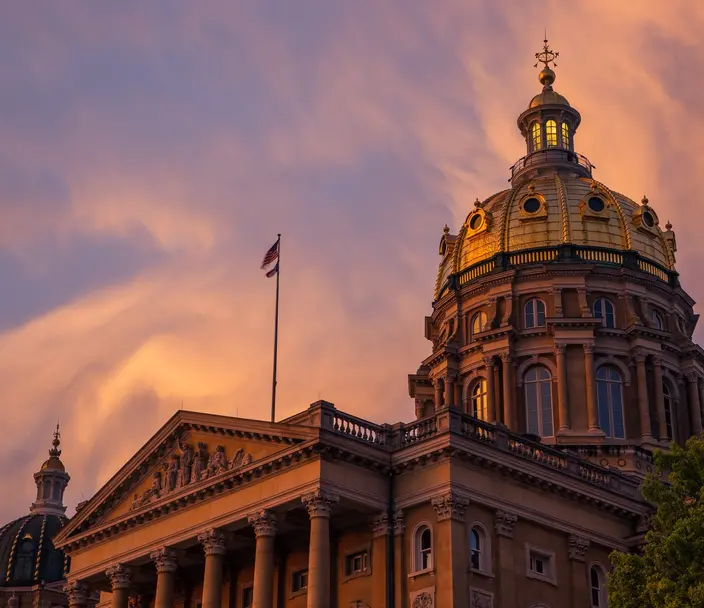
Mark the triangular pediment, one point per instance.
(191, 450)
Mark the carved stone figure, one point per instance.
(423, 600)
(217, 463)
(172, 473)
(200, 461)
(151, 494)
(236, 461)
(186, 453)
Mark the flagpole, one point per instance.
(276, 335)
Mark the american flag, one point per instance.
(271, 255)
(273, 271)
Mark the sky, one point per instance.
(151, 151)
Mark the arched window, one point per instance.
(538, 389)
(669, 409)
(551, 133)
(25, 560)
(423, 540)
(597, 584)
(534, 313)
(478, 405)
(604, 309)
(479, 550)
(535, 136)
(656, 319)
(565, 136)
(609, 393)
(478, 323)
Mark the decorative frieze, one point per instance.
(478, 598)
(577, 547)
(399, 523)
(423, 598)
(450, 506)
(213, 541)
(164, 559)
(319, 502)
(263, 522)
(504, 523)
(381, 525)
(136, 601)
(120, 576)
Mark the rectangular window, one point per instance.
(546, 407)
(247, 597)
(299, 580)
(356, 563)
(532, 410)
(541, 564)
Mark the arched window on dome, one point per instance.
(551, 134)
(656, 319)
(669, 410)
(604, 310)
(478, 400)
(538, 393)
(597, 587)
(534, 313)
(478, 323)
(535, 136)
(25, 561)
(565, 130)
(609, 395)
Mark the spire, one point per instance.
(51, 481)
(546, 57)
(55, 452)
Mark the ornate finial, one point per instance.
(668, 226)
(644, 200)
(55, 451)
(477, 203)
(546, 57)
(446, 229)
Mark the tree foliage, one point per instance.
(670, 572)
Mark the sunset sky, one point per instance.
(150, 152)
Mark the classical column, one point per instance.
(381, 537)
(213, 542)
(437, 383)
(590, 386)
(166, 565)
(491, 405)
(119, 576)
(695, 412)
(577, 551)
(659, 398)
(450, 390)
(77, 593)
(264, 524)
(400, 574)
(319, 504)
(645, 431)
(562, 403)
(450, 550)
(504, 524)
(509, 405)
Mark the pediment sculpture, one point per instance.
(187, 465)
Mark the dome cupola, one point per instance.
(51, 481)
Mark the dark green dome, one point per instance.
(27, 553)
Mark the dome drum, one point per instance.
(550, 159)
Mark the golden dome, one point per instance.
(54, 464)
(548, 97)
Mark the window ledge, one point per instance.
(351, 577)
(298, 593)
(484, 573)
(413, 575)
(542, 577)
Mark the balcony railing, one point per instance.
(551, 156)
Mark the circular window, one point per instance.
(596, 204)
(531, 205)
(648, 219)
(475, 222)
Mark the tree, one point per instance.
(670, 572)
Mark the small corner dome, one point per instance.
(53, 463)
(548, 97)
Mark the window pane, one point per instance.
(530, 319)
(541, 312)
(532, 409)
(536, 135)
(551, 133)
(565, 135)
(602, 398)
(617, 410)
(425, 539)
(546, 408)
(597, 309)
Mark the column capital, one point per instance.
(263, 522)
(505, 522)
(657, 360)
(692, 377)
(488, 360)
(164, 559)
(319, 502)
(381, 525)
(135, 601)
(577, 547)
(213, 541)
(120, 576)
(639, 355)
(399, 523)
(77, 592)
(506, 356)
(588, 348)
(559, 348)
(450, 506)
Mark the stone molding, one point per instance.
(77, 593)
(450, 506)
(559, 349)
(263, 522)
(488, 361)
(399, 523)
(320, 502)
(588, 348)
(577, 547)
(504, 523)
(213, 541)
(120, 576)
(639, 355)
(478, 598)
(423, 598)
(381, 526)
(164, 559)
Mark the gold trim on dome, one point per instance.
(562, 196)
(540, 214)
(609, 195)
(587, 213)
(640, 219)
(478, 221)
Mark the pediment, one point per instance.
(192, 450)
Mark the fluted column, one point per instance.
(213, 542)
(119, 576)
(491, 404)
(264, 524)
(166, 565)
(400, 573)
(451, 550)
(590, 386)
(77, 593)
(645, 430)
(695, 412)
(437, 384)
(577, 553)
(659, 398)
(450, 390)
(381, 537)
(319, 504)
(562, 403)
(504, 526)
(509, 405)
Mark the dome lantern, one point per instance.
(51, 481)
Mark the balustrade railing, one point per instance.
(419, 430)
(357, 428)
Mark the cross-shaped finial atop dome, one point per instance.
(547, 55)
(55, 451)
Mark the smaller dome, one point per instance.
(548, 97)
(53, 464)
